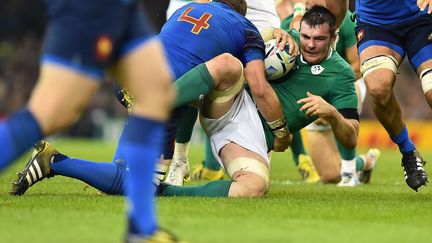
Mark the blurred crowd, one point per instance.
(22, 26)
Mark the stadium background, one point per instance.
(22, 25)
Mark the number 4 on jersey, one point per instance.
(199, 24)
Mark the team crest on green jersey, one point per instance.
(317, 69)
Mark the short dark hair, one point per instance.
(318, 15)
(239, 6)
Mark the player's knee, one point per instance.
(380, 89)
(379, 73)
(330, 177)
(250, 175)
(230, 62)
(226, 70)
(54, 118)
(251, 185)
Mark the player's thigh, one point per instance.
(324, 153)
(419, 52)
(60, 96)
(380, 51)
(146, 74)
(382, 77)
(418, 43)
(241, 125)
(425, 74)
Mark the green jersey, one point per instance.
(346, 39)
(332, 79)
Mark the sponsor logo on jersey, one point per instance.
(104, 47)
(317, 69)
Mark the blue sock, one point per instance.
(17, 134)
(106, 177)
(142, 143)
(109, 178)
(404, 141)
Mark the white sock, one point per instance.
(160, 173)
(181, 149)
(348, 166)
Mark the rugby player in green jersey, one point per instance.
(322, 86)
(332, 161)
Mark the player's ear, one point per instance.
(334, 38)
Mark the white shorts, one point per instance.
(241, 125)
(174, 5)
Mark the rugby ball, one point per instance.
(277, 62)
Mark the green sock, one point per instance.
(297, 146)
(360, 163)
(192, 85)
(186, 124)
(212, 189)
(210, 161)
(346, 154)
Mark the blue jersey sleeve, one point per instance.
(253, 44)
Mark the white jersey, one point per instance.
(262, 13)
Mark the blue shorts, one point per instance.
(88, 36)
(412, 37)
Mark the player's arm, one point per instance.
(344, 122)
(268, 103)
(337, 7)
(353, 60)
(252, 56)
(284, 8)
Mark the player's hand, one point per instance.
(281, 144)
(283, 38)
(422, 4)
(315, 105)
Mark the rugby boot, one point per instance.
(203, 173)
(307, 169)
(125, 98)
(36, 169)
(415, 175)
(178, 171)
(348, 180)
(372, 155)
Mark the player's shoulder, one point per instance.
(337, 62)
(336, 65)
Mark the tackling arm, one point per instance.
(264, 95)
(267, 103)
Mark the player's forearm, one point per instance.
(337, 7)
(345, 130)
(264, 95)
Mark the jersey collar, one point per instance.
(328, 56)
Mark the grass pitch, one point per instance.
(66, 210)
